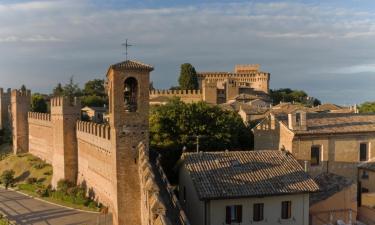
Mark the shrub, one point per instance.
(31, 180)
(7, 178)
(43, 191)
(63, 185)
(48, 173)
(41, 180)
(39, 165)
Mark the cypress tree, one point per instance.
(188, 77)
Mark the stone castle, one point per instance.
(111, 160)
(221, 87)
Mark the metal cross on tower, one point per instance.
(126, 45)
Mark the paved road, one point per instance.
(26, 210)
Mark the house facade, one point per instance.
(265, 187)
(323, 142)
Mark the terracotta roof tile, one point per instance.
(330, 123)
(329, 185)
(239, 174)
(132, 65)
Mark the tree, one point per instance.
(93, 101)
(58, 90)
(188, 77)
(7, 178)
(72, 89)
(38, 103)
(176, 125)
(289, 95)
(94, 87)
(367, 107)
(23, 88)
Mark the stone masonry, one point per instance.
(110, 159)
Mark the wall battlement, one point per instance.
(175, 92)
(98, 130)
(39, 116)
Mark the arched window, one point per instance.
(130, 94)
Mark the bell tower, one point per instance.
(128, 90)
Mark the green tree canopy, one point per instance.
(367, 107)
(177, 124)
(188, 79)
(289, 95)
(93, 100)
(94, 87)
(58, 90)
(23, 88)
(72, 89)
(38, 103)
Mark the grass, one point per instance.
(33, 175)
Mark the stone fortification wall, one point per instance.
(4, 108)
(41, 135)
(155, 204)
(95, 160)
(187, 96)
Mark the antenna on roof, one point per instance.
(126, 45)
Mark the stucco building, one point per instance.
(265, 187)
(325, 142)
(221, 87)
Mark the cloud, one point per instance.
(52, 40)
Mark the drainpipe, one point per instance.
(306, 169)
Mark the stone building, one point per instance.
(221, 87)
(248, 187)
(326, 142)
(112, 160)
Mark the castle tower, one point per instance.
(20, 105)
(64, 114)
(4, 108)
(209, 91)
(232, 89)
(128, 89)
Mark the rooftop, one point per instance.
(329, 185)
(133, 65)
(369, 165)
(240, 174)
(334, 123)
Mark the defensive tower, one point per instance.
(128, 90)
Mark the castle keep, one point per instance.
(111, 160)
(221, 87)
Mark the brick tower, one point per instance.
(64, 115)
(20, 105)
(128, 89)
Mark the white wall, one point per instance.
(272, 210)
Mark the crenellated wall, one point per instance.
(41, 135)
(187, 96)
(4, 108)
(95, 157)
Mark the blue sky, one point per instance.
(324, 48)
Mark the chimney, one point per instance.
(297, 120)
(273, 122)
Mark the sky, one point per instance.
(326, 48)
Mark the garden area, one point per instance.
(31, 175)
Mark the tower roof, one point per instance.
(132, 65)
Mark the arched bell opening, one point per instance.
(130, 94)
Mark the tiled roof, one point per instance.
(329, 185)
(369, 165)
(239, 174)
(247, 108)
(132, 65)
(328, 107)
(287, 107)
(331, 123)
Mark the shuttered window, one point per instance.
(363, 152)
(286, 210)
(233, 214)
(258, 210)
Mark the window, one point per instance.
(363, 152)
(298, 118)
(233, 214)
(130, 94)
(258, 210)
(286, 210)
(184, 194)
(315, 155)
(364, 175)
